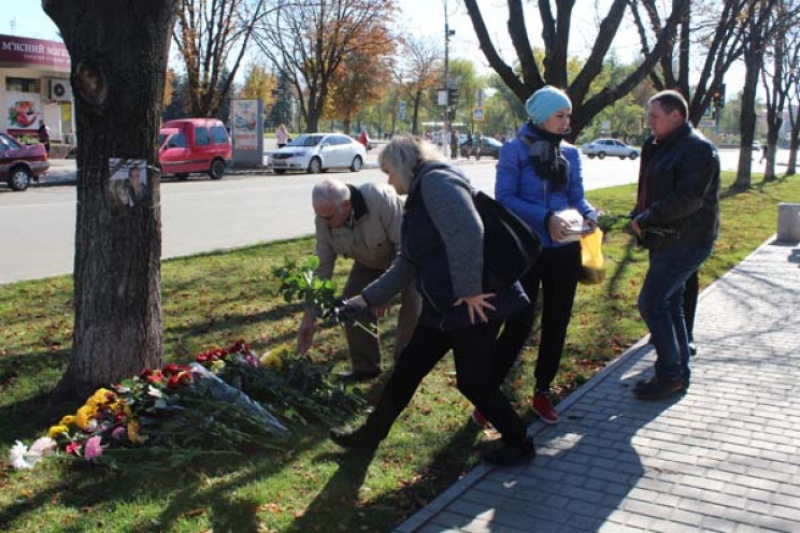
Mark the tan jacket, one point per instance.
(373, 240)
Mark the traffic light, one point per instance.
(452, 96)
(718, 96)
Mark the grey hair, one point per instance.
(330, 192)
(404, 154)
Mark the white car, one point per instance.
(612, 147)
(315, 152)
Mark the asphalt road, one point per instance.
(200, 215)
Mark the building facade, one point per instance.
(34, 85)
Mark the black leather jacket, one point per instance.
(678, 198)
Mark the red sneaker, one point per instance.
(544, 408)
(479, 419)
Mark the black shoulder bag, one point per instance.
(510, 248)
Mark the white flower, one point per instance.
(23, 458)
(17, 457)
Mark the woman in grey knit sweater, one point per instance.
(440, 235)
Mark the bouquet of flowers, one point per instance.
(185, 409)
(291, 385)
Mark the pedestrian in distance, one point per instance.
(454, 137)
(677, 219)
(362, 223)
(363, 138)
(43, 134)
(441, 232)
(282, 135)
(539, 178)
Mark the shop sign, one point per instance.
(33, 52)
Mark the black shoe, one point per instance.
(656, 388)
(355, 439)
(692, 348)
(355, 376)
(511, 454)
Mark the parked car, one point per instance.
(20, 163)
(194, 145)
(315, 152)
(757, 146)
(613, 147)
(489, 146)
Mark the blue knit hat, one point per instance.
(545, 102)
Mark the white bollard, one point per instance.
(788, 222)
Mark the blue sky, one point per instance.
(29, 19)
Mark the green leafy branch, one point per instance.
(302, 283)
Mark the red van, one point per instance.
(192, 145)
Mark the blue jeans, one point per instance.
(661, 306)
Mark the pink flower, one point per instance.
(93, 449)
(119, 433)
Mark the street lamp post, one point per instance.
(447, 34)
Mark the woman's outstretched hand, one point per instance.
(476, 306)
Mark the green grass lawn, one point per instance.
(311, 485)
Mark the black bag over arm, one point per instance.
(510, 248)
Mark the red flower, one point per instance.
(155, 377)
(240, 346)
(73, 448)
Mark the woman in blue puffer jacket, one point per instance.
(538, 178)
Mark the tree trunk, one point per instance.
(794, 141)
(748, 121)
(118, 50)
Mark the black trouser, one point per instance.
(557, 271)
(690, 293)
(473, 349)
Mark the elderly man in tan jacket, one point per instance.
(362, 223)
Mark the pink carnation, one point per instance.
(93, 449)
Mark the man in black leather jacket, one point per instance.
(677, 219)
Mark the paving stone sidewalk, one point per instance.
(722, 458)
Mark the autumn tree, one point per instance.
(418, 71)
(212, 37)
(118, 51)
(530, 75)
(259, 85)
(361, 79)
(310, 39)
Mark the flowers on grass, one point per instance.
(23, 458)
(227, 399)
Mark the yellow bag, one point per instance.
(592, 258)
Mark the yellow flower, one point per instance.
(101, 397)
(274, 357)
(67, 421)
(133, 433)
(55, 431)
(84, 416)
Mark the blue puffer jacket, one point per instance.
(519, 188)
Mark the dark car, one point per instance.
(19, 164)
(489, 147)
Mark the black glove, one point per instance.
(346, 311)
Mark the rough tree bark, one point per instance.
(118, 50)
